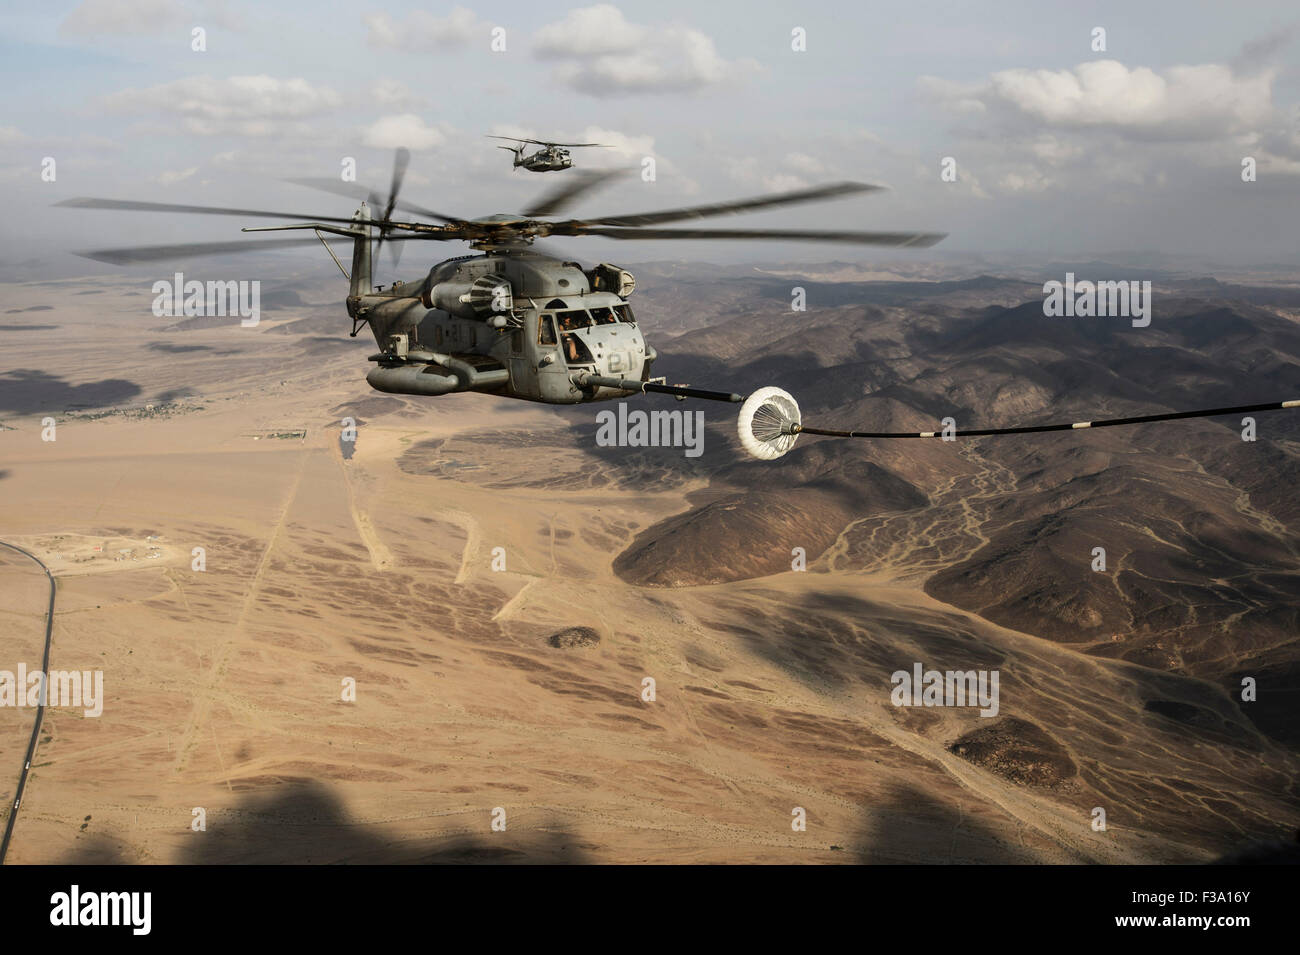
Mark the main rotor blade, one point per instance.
(567, 193)
(401, 160)
(915, 239)
(542, 142)
(814, 194)
(131, 205)
(354, 190)
(160, 253)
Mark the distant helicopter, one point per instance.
(552, 157)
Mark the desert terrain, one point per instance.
(443, 560)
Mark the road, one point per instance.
(40, 708)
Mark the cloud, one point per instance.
(1055, 151)
(954, 97)
(753, 173)
(966, 183)
(589, 31)
(422, 32)
(117, 17)
(1025, 180)
(169, 176)
(248, 105)
(808, 165)
(774, 172)
(405, 129)
(600, 53)
(1184, 102)
(388, 93)
(1032, 130)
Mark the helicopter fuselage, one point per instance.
(512, 323)
(545, 161)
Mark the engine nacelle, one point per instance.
(611, 278)
(486, 296)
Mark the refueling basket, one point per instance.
(765, 423)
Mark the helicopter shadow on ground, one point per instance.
(31, 391)
(303, 822)
(917, 829)
(1274, 714)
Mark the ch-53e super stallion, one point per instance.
(552, 157)
(516, 322)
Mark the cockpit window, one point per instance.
(546, 329)
(573, 319)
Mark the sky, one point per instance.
(1060, 148)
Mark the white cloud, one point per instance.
(1054, 151)
(405, 129)
(600, 53)
(247, 105)
(169, 176)
(756, 174)
(622, 147)
(589, 31)
(809, 165)
(1031, 131)
(1194, 102)
(422, 32)
(99, 17)
(1024, 180)
(388, 93)
(954, 97)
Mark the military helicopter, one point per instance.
(516, 322)
(552, 157)
(511, 321)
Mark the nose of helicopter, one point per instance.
(619, 350)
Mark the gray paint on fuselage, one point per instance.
(617, 349)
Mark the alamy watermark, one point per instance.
(130, 909)
(922, 687)
(63, 688)
(192, 299)
(651, 429)
(1124, 299)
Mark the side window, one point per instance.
(546, 330)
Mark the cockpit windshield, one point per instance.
(574, 318)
